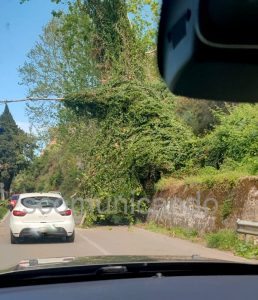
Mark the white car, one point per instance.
(41, 214)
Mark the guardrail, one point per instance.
(247, 227)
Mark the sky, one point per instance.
(20, 26)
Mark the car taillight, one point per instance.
(19, 213)
(67, 212)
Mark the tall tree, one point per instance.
(16, 148)
(119, 54)
(93, 43)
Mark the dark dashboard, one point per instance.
(158, 287)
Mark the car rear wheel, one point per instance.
(70, 239)
(14, 240)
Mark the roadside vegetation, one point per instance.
(119, 132)
(226, 153)
(224, 239)
(179, 232)
(3, 208)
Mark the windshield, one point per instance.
(89, 130)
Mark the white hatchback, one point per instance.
(41, 214)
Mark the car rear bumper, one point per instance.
(61, 229)
(30, 232)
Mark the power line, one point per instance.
(29, 99)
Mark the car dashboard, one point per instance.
(157, 287)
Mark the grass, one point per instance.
(216, 177)
(3, 208)
(224, 239)
(166, 182)
(180, 232)
(228, 240)
(207, 176)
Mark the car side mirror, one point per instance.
(208, 49)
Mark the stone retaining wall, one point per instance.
(199, 207)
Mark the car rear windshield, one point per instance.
(41, 201)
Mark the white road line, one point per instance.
(102, 250)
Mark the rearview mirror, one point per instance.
(208, 49)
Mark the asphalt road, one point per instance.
(119, 240)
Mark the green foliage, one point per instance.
(117, 51)
(61, 163)
(226, 208)
(114, 211)
(55, 169)
(218, 177)
(224, 239)
(199, 114)
(180, 232)
(92, 43)
(145, 16)
(16, 149)
(225, 154)
(246, 249)
(117, 132)
(60, 62)
(3, 208)
(166, 182)
(235, 138)
(228, 240)
(137, 138)
(250, 164)
(140, 137)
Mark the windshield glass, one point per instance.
(88, 126)
(32, 202)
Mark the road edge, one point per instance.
(4, 217)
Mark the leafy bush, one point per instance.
(228, 240)
(225, 154)
(225, 239)
(3, 208)
(235, 138)
(139, 138)
(246, 249)
(250, 164)
(226, 208)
